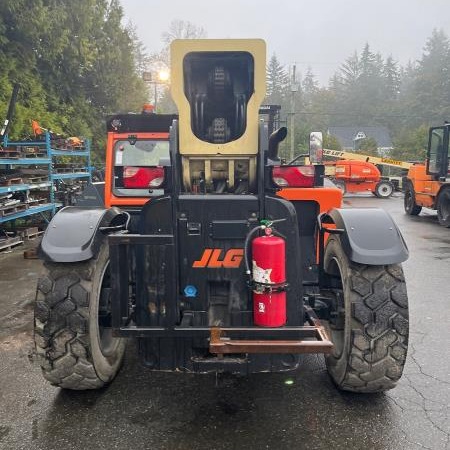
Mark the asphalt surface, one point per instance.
(302, 410)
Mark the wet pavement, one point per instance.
(149, 410)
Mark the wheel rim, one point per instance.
(408, 201)
(105, 338)
(337, 322)
(385, 190)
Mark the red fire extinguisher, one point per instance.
(269, 280)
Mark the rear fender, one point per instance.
(368, 235)
(75, 233)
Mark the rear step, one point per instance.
(318, 341)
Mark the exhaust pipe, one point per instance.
(274, 140)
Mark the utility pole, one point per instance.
(294, 89)
(156, 78)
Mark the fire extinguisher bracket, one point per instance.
(268, 288)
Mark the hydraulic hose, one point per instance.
(246, 245)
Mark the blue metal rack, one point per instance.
(51, 155)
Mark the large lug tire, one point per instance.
(409, 201)
(443, 208)
(72, 321)
(369, 327)
(384, 189)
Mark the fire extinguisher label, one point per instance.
(261, 275)
(261, 307)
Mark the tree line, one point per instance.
(77, 62)
(369, 89)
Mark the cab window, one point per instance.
(435, 150)
(133, 160)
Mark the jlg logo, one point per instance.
(211, 259)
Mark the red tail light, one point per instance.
(293, 176)
(143, 177)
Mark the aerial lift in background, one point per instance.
(354, 172)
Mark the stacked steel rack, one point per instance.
(31, 174)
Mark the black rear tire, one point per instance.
(370, 324)
(443, 208)
(409, 201)
(384, 189)
(72, 328)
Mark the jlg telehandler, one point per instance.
(219, 258)
(428, 185)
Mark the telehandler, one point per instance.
(428, 185)
(214, 255)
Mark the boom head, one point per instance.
(218, 86)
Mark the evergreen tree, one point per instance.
(350, 72)
(75, 62)
(368, 146)
(277, 82)
(391, 76)
(410, 144)
(431, 88)
(310, 87)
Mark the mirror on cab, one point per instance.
(315, 147)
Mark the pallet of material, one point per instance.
(70, 170)
(11, 181)
(8, 210)
(69, 144)
(29, 150)
(34, 155)
(9, 154)
(8, 244)
(32, 172)
(35, 180)
(36, 201)
(31, 233)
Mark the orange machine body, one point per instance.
(358, 176)
(426, 187)
(111, 199)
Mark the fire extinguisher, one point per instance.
(268, 279)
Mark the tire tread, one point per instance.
(380, 361)
(376, 331)
(61, 326)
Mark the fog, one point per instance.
(320, 34)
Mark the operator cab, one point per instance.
(138, 166)
(136, 154)
(438, 161)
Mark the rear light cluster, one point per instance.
(294, 176)
(143, 177)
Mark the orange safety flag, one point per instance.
(37, 130)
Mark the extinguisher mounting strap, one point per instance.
(267, 288)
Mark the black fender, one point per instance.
(76, 233)
(368, 235)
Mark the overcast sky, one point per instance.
(316, 33)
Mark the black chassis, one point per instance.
(151, 266)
